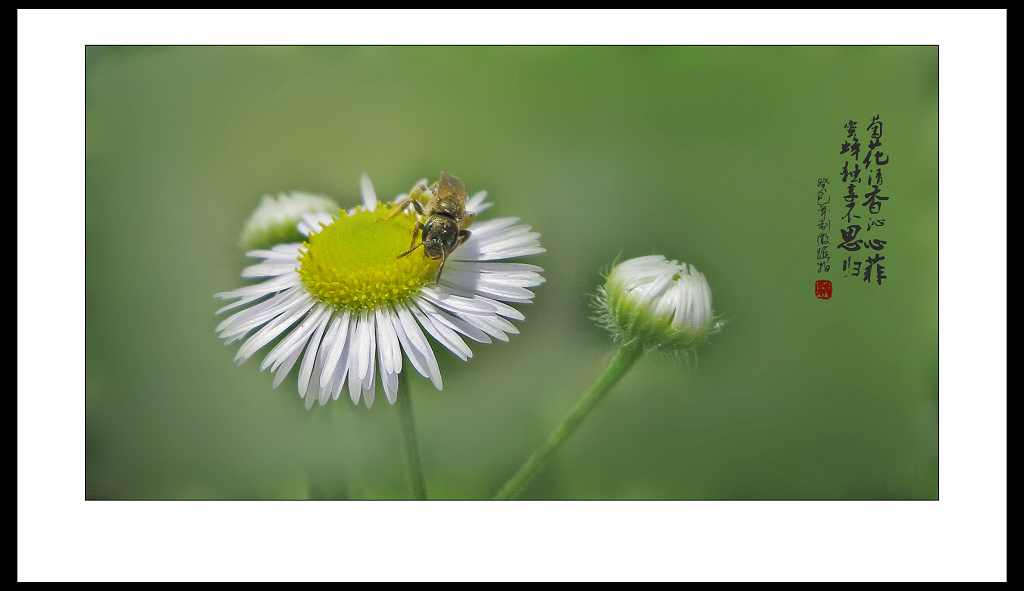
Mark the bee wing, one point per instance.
(449, 186)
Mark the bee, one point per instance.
(447, 218)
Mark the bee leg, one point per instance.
(467, 221)
(410, 250)
(418, 191)
(400, 207)
(416, 195)
(412, 245)
(463, 237)
(415, 232)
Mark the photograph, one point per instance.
(544, 272)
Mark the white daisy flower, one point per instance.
(347, 307)
(658, 302)
(275, 220)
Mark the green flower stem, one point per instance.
(412, 448)
(624, 359)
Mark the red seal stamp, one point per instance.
(823, 289)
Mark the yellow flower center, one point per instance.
(352, 262)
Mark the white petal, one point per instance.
(487, 324)
(471, 283)
(355, 384)
(497, 239)
(513, 248)
(335, 344)
(253, 311)
(355, 388)
(490, 267)
(458, 304)
(277, 254)
(254, 292)
(502, 324)
(250, 318)
(390, 383)
(494, 278)
(491, 227)
(508, 233)
(368, 378)
(286, 366)
(396, 348)
(270, 269)
(384, 355)
(644, 260)
(363, 350)
(505, 310)
(325, 394)
(487, 286)
(295, 340)
(705, 315)
(290, 249)
(259, 289)
(370, 381)
(369, 195)
(418, 360)
(455, 323)
(388, 347)
(443, 334)
(314, 391)
(274, 328)
(262, 288)
(476, 203)
(343, 361)
(308, 360)
(416, 346)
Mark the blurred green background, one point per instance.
(708, 155)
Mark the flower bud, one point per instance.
(657, 302)
(275, 220)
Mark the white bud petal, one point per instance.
(662, 303)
